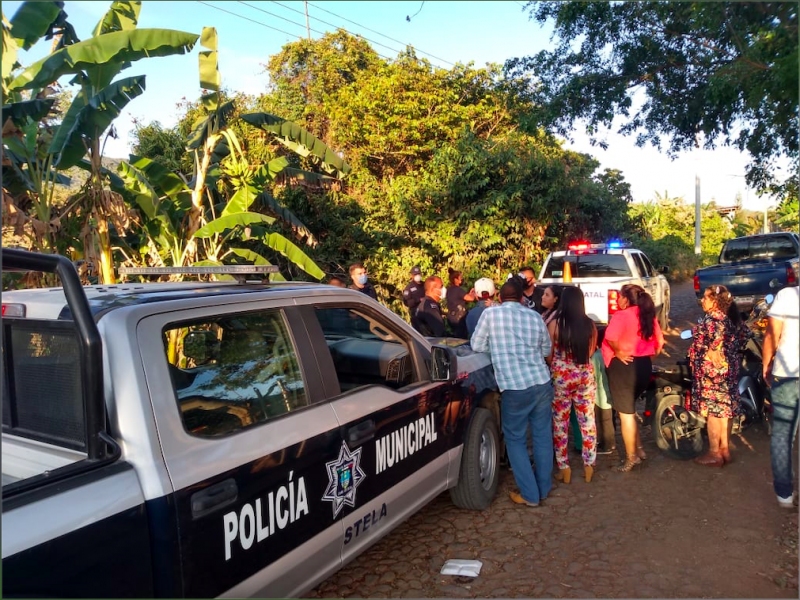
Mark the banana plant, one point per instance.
(94, 63)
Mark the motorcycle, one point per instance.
(677, 429)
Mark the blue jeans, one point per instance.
(522, 408)
(785, 400)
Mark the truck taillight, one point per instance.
(613, 302)
(791, 276)
(696, 283)
(14, 310)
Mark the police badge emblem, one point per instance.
(344, 476)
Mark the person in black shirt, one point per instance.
(360, 281)
(457, 298)
(430, 322)
(532, 295)
(413, 294)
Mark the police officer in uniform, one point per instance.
(430, 322)
(413, 294)
(358, 273)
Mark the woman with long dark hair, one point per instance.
(457, 298)
(632, 338)
(550, 302)
(574, 338)
(714, 356)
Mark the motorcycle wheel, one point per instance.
(666, 427)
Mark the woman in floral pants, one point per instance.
(574, 339)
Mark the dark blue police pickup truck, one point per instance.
(753, 266)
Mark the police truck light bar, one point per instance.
(211, 270)
(587, 246)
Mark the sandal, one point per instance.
(641, 453)
(630, 464)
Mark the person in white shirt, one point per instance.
(782, 361)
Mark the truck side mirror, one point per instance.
(444, 364)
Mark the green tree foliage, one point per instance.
(304, 74)
(708, 72)
(392, 120)
(666, 233)
(166, 146)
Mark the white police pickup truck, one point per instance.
(600, 270)
(222, 439)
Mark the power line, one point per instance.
(321, 21)
(268, 26)
(248, 19)
(266, 12)
(376, 32)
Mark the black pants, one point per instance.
(627, 382)
(604, 418)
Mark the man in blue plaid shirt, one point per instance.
(517, 339)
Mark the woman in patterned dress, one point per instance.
(574, 339)
(714, 356)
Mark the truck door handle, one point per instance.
(215, 497)
(361, 433)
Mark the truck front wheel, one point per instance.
(480, 463)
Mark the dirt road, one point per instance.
(670, 529)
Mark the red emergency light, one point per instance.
(578, 246)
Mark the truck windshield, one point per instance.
(764, 248)
(589, 265)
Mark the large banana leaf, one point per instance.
(159, 176)
(67, 123)
(137, 184)
(108, 50)
(210, 124)
(9, 57)
(122, 16)
(254, 258)
(240, 201)
(94, 118)
(299, 140)
(210, 78)
(32, 21)
(222, 224)
(283, 246)
(265, 199)
(19, 112)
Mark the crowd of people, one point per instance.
(553, 366)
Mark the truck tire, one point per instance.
(663, 432)
(479, 473)
(663, 314)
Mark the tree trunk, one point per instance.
(195, 216)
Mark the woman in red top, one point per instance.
(632, 338)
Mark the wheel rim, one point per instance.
(488, 459)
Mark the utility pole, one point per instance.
(697, 215)
(308, 27)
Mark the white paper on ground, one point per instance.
(462, 567)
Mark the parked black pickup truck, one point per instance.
(752, 267)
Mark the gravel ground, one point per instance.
(670, 529)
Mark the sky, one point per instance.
(478, 32)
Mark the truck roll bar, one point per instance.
(90, 342)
